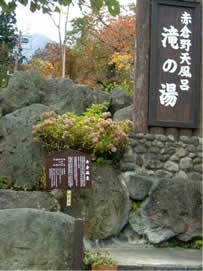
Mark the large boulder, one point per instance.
(24, 88)
(119, 100)
(174, 208)
(105, 207)
(124, 114)
(139, 186)
(32, 199)
(21, 160)
(63, 96)
(32, 239)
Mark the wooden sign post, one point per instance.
(67, 170)
(175, 64)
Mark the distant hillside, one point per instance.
(36, 41)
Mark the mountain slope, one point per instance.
(35, 41)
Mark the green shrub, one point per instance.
(4, 185)
(17, 187)
(93, 132)
(194, 244)
(135, 206)
(3, 182)
(124, 85)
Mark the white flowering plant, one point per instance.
(93, 257)
(93, 132)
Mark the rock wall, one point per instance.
(163, 156)
(165, 177)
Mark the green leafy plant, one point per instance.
(17, 187)
(125, 85)
(93, 132)
(136, 205)
(3, 182)
(93, 257)
(43, 180)
(193, 244)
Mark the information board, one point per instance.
(175, 64)
(68, 169)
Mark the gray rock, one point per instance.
(154, 150)
(132, 238)
(159, 144)
(164, 157)
(200, 154)
(124, 114)
(192, 155)
(152, 161)
(140, 149)
(105, 207)
(21, 159)
(150, 137)
(139, 161)
(195, 140)
(161, 137)
(129, 157)
(32, 239)
(174, 208)
(133, 142)
(174, 158)
(198, 168)
(201, 141)
(191, 148)
(148, 144)
(127, 166)
(181, 175)
(186, 163)
(24, 88)
(168, 150)
(163, 173)
(185, 139)
(181, 152)
(139, 135)
(171, 138)
(171, 166)
(139, 186)
(119, 99)
(19, 199)
(63, 96)
(200, 148)
(141, 171)
(195, 176)
(197, 160)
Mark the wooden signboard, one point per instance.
(68, 169)
(175, 64)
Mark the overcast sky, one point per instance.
(38, 22)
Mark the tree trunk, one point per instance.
(63, 60)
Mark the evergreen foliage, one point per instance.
(8, 40)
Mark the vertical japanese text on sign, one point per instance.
(68, 169)
(174, 82)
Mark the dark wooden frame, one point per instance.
(152, 117)
(64, 154)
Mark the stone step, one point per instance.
(157, 258)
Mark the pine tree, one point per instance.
(8, 29)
